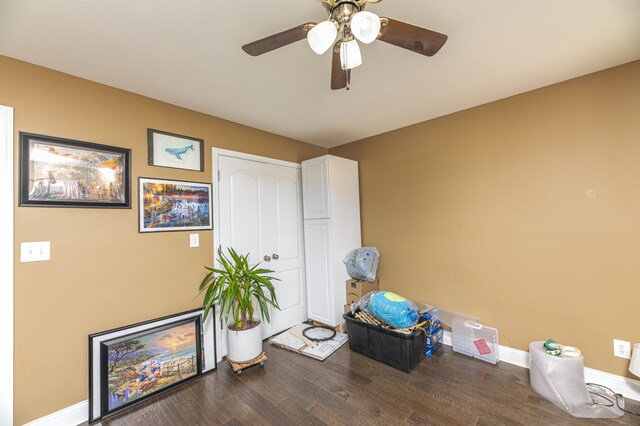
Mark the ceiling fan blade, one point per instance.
(339, 77)
(276, 41)
(411, 37)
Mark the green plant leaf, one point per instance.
(235, 287)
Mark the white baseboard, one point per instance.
(514, 356)
(630, 388)
(73, 415)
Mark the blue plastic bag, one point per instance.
(393, 309)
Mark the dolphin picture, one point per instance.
(178, 151)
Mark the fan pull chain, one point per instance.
(346, 69)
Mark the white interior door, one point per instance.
(260, 213)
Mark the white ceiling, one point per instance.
(187, 52)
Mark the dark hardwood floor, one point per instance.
(348, 388)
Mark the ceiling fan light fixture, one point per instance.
(322, 36)
(350, 54)
(365, 26)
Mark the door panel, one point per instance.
(289, 249)
(288, 214)
(316, 189)
(244, 214)
(317, 241)
(260, 208)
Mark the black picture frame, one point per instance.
(104, 347)
(145, 211)
(209, 363)
(78, 174)
(182, 146)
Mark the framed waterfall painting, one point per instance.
(173, 205)
(57, 172)
(175, 151)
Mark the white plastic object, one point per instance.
(634, 365)
(474, 339)
(561, 381)
(447, 317)
(475, 326)
(461, 337)
(35, 252)
(350, 55)
(365, 26)
(321, 37)
(485, 344)
(244, 345)
(362, 263)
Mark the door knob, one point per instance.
(267, 258)
(275, 256)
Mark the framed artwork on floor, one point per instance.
(172, 205)
(131, 364)
(57, 172)
(137, 366)
(175, 151)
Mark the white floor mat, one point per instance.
(322, 350)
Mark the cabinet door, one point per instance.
(317, 242)
(315, 188)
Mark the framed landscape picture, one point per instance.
(172, 205)
(138, 366)
(57, 172)
(176, 151)
(144, 359)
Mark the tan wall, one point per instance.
(524, 212)
(102, 273)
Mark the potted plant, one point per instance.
(236, 286)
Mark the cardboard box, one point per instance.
(356, 289)
(347, 308)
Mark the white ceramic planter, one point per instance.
(244, 345)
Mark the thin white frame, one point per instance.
(209, 341)
(6, 265)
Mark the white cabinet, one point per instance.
(331, 206)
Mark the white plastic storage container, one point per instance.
(469, 337)
(476, 340)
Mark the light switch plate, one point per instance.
(194, 240)
(35, 252)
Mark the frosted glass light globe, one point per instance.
(350, 55)
(365, 26)
(321, 36)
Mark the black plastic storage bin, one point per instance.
(399, 350)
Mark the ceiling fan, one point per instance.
(348, 22)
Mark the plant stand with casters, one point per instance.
(238, 367)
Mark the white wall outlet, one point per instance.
(622, 349)
(194, 240)
(35, 252)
